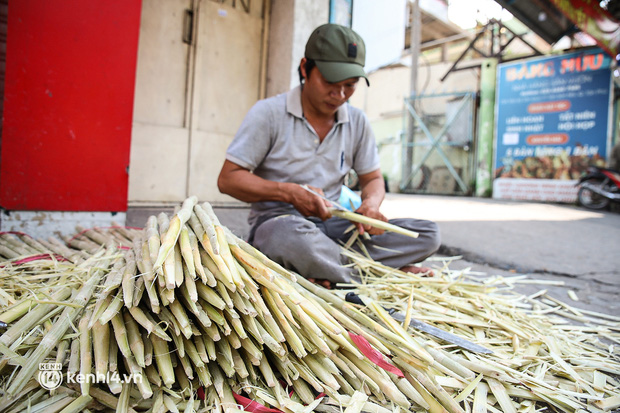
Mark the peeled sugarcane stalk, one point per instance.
(74, 357)
(153, 239)
(31, 318)
(101, 347)
(114, 278)
(162, 358)
(136, 345)
(186, 251)
(86, 352)
(210, 242)
(78, 404)
(171, 236)
(128, 282)
(93, 235)
(116, 237)
(178, 265)
(223, 245)
(8, 253)
(33, 243)
(13, 243)
(208, 227)
(61, 351)
(82, 243)
(163, 223)
(52, 338)
(123, 231)
(362, 219)
(114, 306)
(76, 256)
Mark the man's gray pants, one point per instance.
(311, 247)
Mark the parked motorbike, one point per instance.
(598, 187)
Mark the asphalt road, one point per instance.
(568, 247)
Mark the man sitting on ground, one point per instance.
(312, 136)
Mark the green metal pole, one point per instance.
(486, 126)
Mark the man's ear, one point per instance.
(302, 68)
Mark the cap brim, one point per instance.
(335, 72)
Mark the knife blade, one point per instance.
(333, 203)
(427, 328)
(442, 334)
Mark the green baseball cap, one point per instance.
(338, 51)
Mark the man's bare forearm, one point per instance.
(373, 189)
(242, 184)
(247, 187)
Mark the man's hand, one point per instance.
(373, 192)
(371, 212)
(309, 204)
(242, 184)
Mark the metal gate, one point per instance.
(438, 151)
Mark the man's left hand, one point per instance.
(370, 212)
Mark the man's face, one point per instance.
(325, 98)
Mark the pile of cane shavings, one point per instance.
(185, 316)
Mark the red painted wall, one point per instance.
(68, 104)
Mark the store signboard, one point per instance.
(553, 119)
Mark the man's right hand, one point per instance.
(308, 204)
(240, 183)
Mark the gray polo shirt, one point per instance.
(277, 143)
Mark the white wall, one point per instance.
(383, 103)
(308, 16)
(291, 24)
(389, 86)
(382, 26)
(190, 99)
(280, 48)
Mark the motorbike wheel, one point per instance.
(590, 199)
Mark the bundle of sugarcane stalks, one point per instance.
(185, 316)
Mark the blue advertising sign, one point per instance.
(552, 121)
